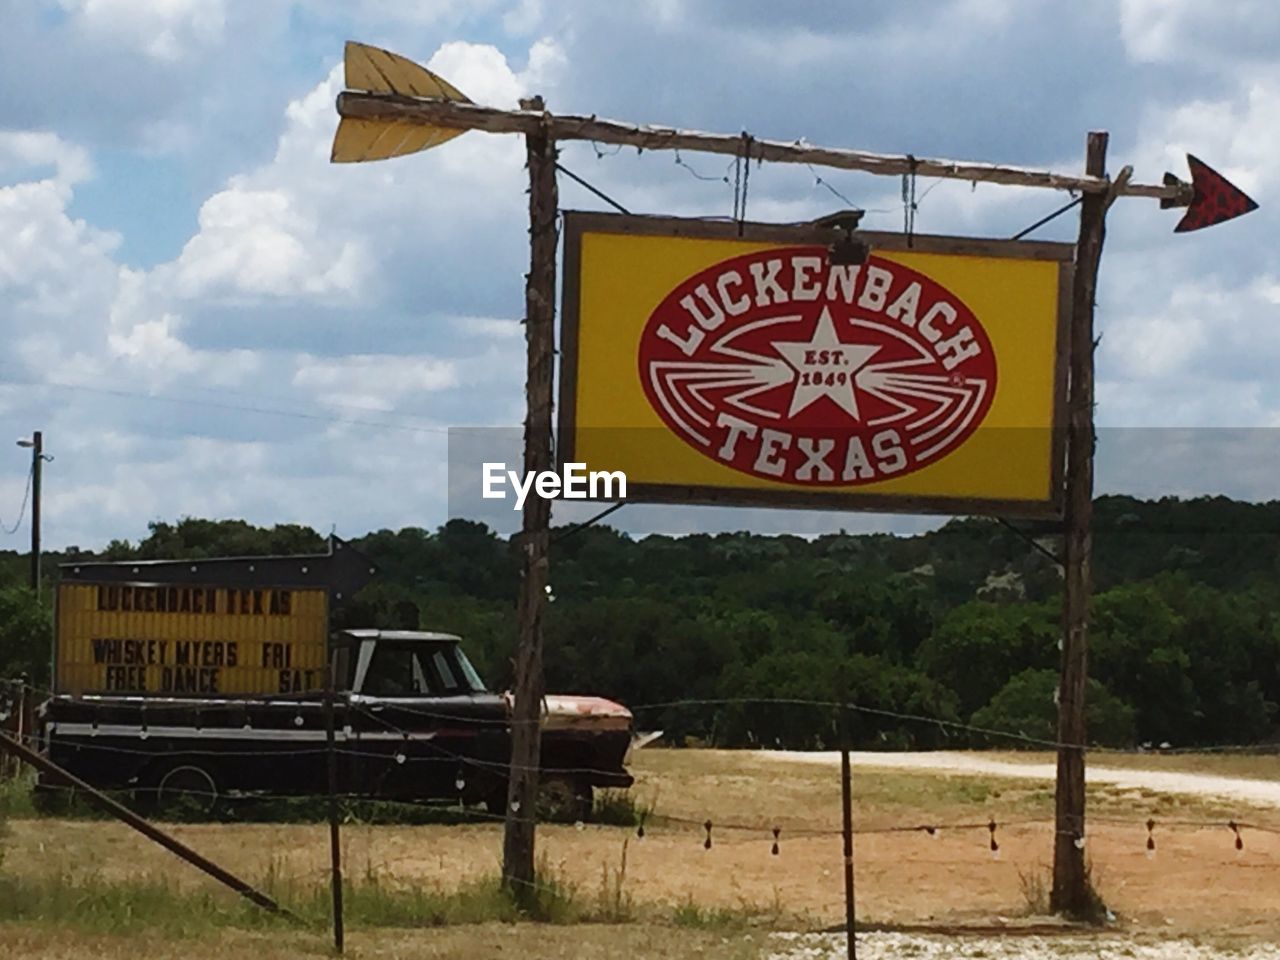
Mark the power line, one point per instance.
(22, 511)
(105, 383)
(241, 408)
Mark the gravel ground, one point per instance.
(901, 946)
(1260, 792)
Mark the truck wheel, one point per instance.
(564, 800)
(186, 792)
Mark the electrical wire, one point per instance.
(241, 408)
(22, 511)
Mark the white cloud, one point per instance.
(165, 30)
(258, 242)
(498, 329)
(1215, 34)
(523, 17)
(480, 71)
(372, 382)
(24, 151)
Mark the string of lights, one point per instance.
(708, 832)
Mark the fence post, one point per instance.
(846, 800)
(335, 845)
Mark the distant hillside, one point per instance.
(959, 624)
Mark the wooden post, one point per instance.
(540, 292)
(148, 830)
(846, 800)
(335, 843)
(1071, 892)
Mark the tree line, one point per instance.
(929, 635)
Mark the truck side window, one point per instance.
(447, 679)
(390, 672)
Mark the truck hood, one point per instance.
(562, 712)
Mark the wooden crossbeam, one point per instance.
(391, 108)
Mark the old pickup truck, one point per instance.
(206, 681)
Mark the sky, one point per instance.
(206, 318)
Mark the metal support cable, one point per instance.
(1030, 540)
(593, 189)
(1043, 220)
(577, 528)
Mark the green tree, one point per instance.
(1136, 649)
(1026, 707)
(979, 646)
(26, 636)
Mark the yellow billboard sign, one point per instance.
(717, 363)
(189, 640)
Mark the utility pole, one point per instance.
(37, 463)
(1070, 882)
(526, 726)
(36, 443)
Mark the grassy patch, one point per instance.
(145, 904)
(1034, 883)
(691, 915)
(620, 808)
(694, 916)
(91, 903)
(16, 799)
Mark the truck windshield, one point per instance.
(468, 671)
(420, 669)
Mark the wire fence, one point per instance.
(734, 837)
(359, 720)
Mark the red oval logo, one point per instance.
(787, 368)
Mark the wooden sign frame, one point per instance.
(576, 224)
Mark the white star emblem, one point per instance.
(825, 367)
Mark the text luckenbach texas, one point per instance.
(769, 338)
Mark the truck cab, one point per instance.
(422, 684)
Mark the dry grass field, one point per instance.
(714, 900)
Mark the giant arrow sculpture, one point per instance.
(392, 107)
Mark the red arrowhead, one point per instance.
(1215, 199)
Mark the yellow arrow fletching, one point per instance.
(359, 140)
(379, 71)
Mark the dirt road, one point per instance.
(1258, 792)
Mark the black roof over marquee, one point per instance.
(343, 569)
